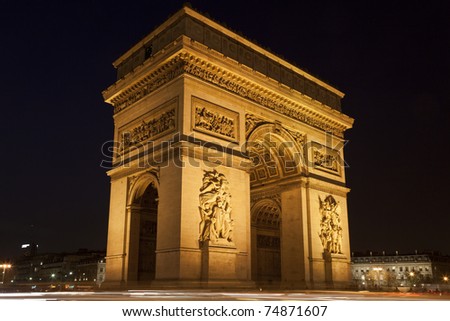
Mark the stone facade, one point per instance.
(416, 271)
(228, 167)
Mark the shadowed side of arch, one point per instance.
(266, 213)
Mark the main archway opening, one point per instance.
(147, 206)
(277, 158)
(265, 224)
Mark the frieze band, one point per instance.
(216, 77)
(186, 63)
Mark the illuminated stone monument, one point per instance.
(228, 166)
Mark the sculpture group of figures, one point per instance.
(215, 209)
(148, 130)
(330, 225)
(214, 122)
(329, 162)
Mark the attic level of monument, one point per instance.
(232, 46)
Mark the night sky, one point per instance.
(390, 58)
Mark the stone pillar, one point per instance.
(168, 243)
(183, 260)
(132, 244)
(330, 252)
(254, 249)
(218, 262)
(116, 253)
(294, 241)
(337, 270)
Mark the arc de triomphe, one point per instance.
(228, 166)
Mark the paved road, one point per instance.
(201, 295)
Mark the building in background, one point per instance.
(83, 269)
(101, 272)
(29, 249)
(418, 271)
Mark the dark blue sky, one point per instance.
(391, 58)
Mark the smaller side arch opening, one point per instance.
(144, 208)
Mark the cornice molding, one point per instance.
(142, 88)
(327, 187)
(236, 84)
(187, 63)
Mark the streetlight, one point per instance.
(4, 266)
(411, 275)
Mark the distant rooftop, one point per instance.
(384, 254)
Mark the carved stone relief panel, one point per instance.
(216, 224)
(215, 120)
(157, 123)
(298, 137)
(251, 121)
(330, 225)
(326, 159)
